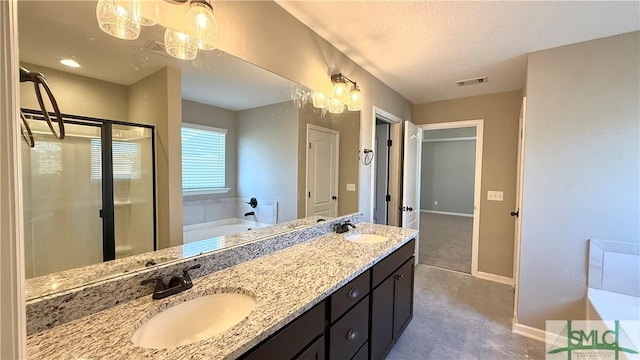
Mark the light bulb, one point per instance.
(336, 106)
(202, 25)
(340, 91)
(180, 45)
(320, 100)
(117, 20)
(355, 101)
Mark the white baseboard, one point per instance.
(446, 213)
(495, 278)
(529, 332)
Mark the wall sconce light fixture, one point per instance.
(123, 18)
(345, 92)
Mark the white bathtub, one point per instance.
(208, 230)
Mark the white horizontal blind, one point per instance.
(203, 158)
(127, 160)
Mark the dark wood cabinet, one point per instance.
(403, 297)
(382, 319)
(349, 333)
(391, 308)
(315, 351)
(293, 338)
(361, 320)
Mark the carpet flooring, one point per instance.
(458, 317)
(445, 241)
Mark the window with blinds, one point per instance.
(127, 160)
(203, 159)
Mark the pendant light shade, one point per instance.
(202, 25)
(179, 45)
(355, 101)
(117, 20)
(340, 91)
(145, 12)
(320, 100)
(336, 106)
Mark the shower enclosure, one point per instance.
(88, 198)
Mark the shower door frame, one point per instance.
(107, 213)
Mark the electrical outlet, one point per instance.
(495, 195)
(435, 202)
(351, 187)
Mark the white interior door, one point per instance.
(517, 213)
(322, 171)
(411, 179)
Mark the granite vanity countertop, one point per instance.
(285, 284)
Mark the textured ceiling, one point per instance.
(420, 48)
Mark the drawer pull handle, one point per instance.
(353, 294)
(352, 335)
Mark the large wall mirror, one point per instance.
(260, 130)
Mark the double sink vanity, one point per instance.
(321, 295)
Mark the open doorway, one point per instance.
(449, 199)
(386, 168)
(382, 153)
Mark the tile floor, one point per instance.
(459, 317)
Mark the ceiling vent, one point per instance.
(157, 48)
(480, 80)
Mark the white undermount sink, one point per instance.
(194, 320)
(366, 238)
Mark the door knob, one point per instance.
(334, 197)
(515, 213)
(409, 208)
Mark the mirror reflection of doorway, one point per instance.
(322, 171)
(447, 198)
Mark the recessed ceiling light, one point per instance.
(70, 63)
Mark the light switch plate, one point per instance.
(351, 187)
(495, 195)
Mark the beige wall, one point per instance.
(500, 112)
(202, 114)
(266, 35)
(156, 100)
(348, 125)
(581, 169)
(268, 156)
(78, 95)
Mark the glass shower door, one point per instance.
(133, 200)
(62, 200)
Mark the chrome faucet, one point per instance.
(344, 227)
(176, 284)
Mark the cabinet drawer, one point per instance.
(314, 352)
(343, 299)
(293, 338)
(363, 353)
(349, 333)
(392, 262)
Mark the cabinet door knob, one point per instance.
(352, 335)
(353, 294)
(399, 277)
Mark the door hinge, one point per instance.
(309, 145)
(309, 193)
(389, 142)
(388, 198)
